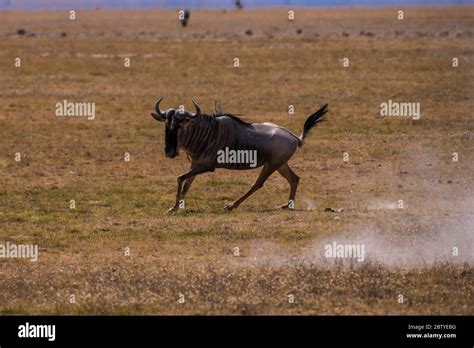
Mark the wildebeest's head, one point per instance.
(174, 120)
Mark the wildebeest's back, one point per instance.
(266, 141)
(243, 141)
(227, 142)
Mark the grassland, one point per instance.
(122, 205)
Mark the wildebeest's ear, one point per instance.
(160, 118)
(217, 108)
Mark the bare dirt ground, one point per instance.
(191, 255)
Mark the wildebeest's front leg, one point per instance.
(186, 186)
(264, 174)
(185, 181)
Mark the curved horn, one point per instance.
(157, 107)
(198, 109)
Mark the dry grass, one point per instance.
(122, 204)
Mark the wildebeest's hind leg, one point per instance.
(293, 180)
(264, 174)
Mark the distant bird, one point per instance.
(238, 4)
(184, 17)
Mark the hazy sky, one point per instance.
(67, 4)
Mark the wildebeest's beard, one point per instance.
(171, 142)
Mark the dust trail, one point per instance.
(450, 242)
(308, 203)
(441, 231)
(453, 245)
(382, 204)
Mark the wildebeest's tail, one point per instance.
(311, 122)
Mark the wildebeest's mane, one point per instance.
(232, 117)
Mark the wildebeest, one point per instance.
(205, 137)
(184, 17)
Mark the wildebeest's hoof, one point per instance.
(230, 207)
(288, 206)
(173, 209)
